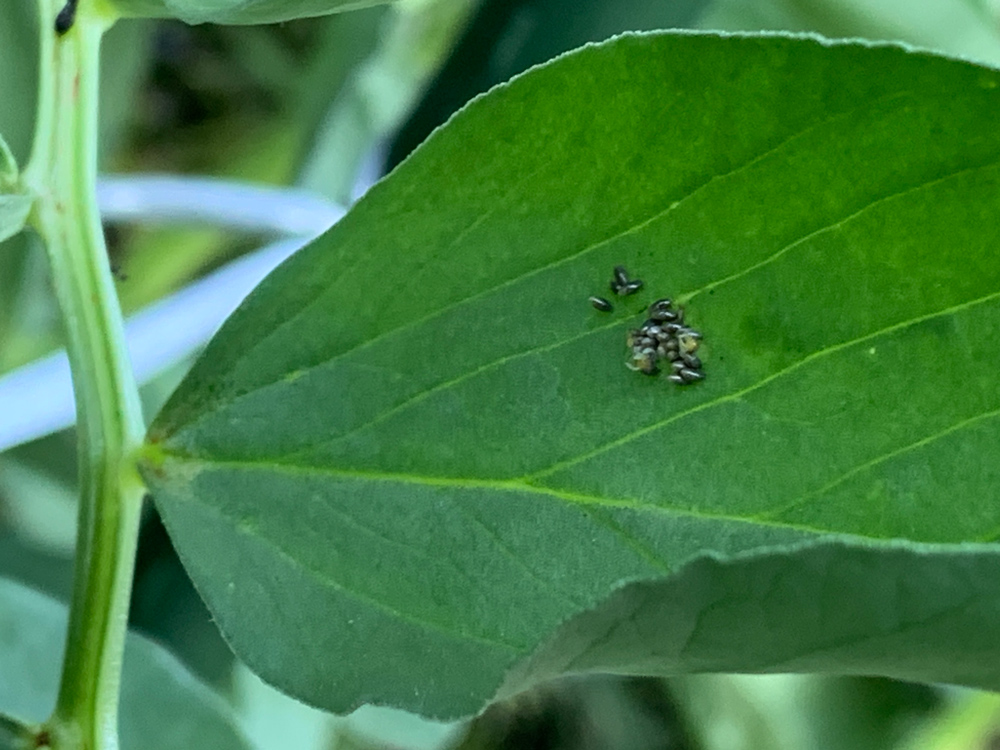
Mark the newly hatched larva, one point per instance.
(661, 312)
(630, 288)
(644, 361)
(688, 340)
(601, 304)
(690, 375)
(622, 285)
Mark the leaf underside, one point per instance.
(415, 450)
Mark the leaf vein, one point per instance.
(736, 395)
(324, 579)
(878, 460)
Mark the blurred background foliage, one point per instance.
(328, 104)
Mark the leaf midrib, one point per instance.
(498, 485)
(530, 483)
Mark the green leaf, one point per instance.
(416, 446)
(791, 712)
(162, 706)
(8, 165)
(19, 84)
(955, 27)
(917, 612)
(14, 210)
(237, 11)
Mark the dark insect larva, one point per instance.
(691, 360)
(66, 17)
(663, 316)
(691, 375)
(660, 311)
(601, 304)
(622, 285)
(630, 288)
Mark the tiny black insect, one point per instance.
(662, 316)
(691, 360)
(661, 304)
(601, 304)
(660, 311)
(66, 17)
(691, 375)
(622, 285)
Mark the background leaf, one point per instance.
(162, 706)
(506, 37)
(913, 612)
(8, 165)
(237, 11)
(956, 27)
(417, 448)
(13, 213)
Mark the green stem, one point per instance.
(62, 173)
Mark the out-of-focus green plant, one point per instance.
(412, 469)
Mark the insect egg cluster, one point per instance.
(662, 337)
(665, 337)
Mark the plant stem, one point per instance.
(62, 173)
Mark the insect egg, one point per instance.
(621, 276)
(691, 375)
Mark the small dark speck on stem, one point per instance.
(64, 21)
